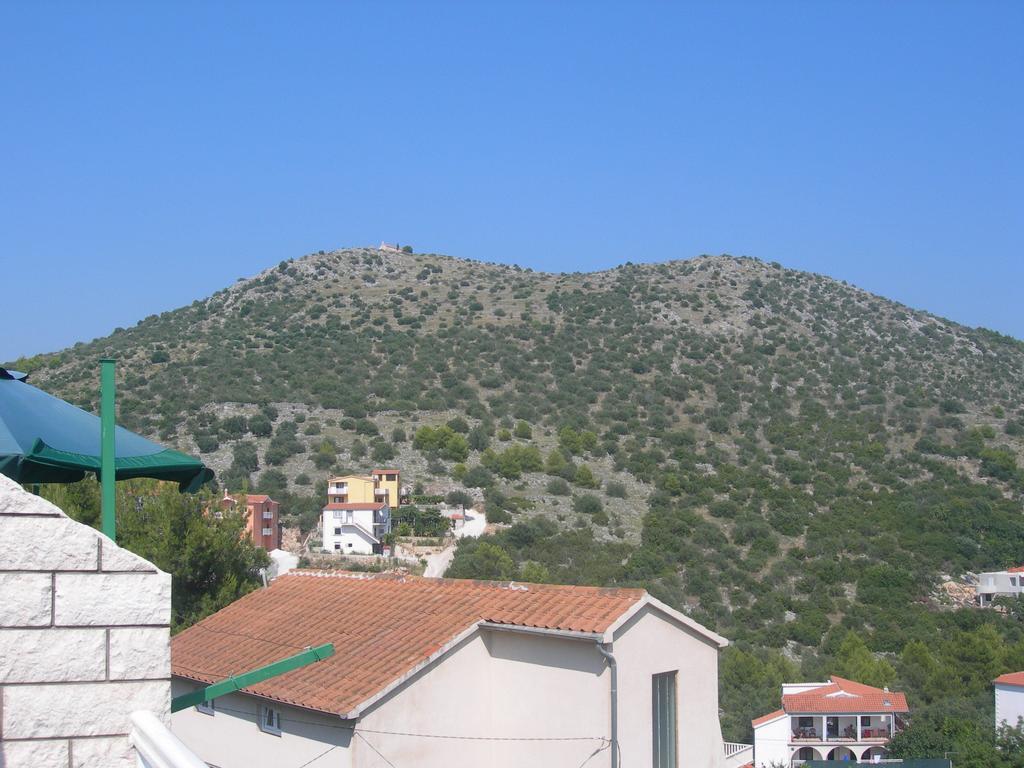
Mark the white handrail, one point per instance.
(156, 747)
(732, 748)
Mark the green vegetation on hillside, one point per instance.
(784, 457)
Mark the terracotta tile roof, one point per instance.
(1016, 569)
(374, 505)
(1011, 678)
(767, 718)
(257, 498)
(384, 471)
(843, 695)
(382, 626)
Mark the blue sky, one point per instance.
(154, 154)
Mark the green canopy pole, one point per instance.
(245, 679)
(109, 520)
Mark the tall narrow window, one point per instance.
(663, 719)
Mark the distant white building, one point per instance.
(836, 720)
(1009, 699)
(281, 562)
(992, 584)
(355, 527)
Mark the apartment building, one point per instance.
(381, 485)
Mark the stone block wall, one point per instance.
(84, 639)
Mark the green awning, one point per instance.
(44, 439)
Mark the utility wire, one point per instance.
(308, 762)
(420, 735)
(357, 733)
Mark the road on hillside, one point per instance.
(473, 527)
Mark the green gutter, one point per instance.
(245, 679)
(107, 514)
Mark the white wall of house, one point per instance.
(651, 643)
(1009, 704)
(999, 583)
(771, 743)
(349, 531)
(494, 683)
(231, 735)
(84, 639)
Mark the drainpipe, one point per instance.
(614, 701)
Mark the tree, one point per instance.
(855, 662)
(211, 561)
(585, 478)
(480, 560)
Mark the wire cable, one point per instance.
(308, 762)
(357, 733)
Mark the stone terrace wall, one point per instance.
(84, 639)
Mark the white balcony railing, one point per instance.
(157, 747)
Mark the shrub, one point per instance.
(615, 489)
(557, 486)
(587, 504)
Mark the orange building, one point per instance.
(261, 519)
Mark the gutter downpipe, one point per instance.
(614, 700)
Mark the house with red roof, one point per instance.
(1009, 692)
(262, 518)
(447, 673)
(835, 720)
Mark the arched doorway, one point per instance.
(874, 753)
(805, 753)
(842, 753)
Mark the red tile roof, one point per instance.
(843, 695)
(1011, 678)
(258, 498)
(1016, 569)
(384, 471)
(382, 626)
(767, 718)
(374, 505)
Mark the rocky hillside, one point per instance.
(775, 451)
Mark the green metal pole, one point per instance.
(245, 679)
(108, 517)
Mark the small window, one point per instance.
(663, 720)
(206, 707)
(1013, 581)
(337, 531)
(270, 720)
(268, 515)
(350, 543)
(337, 545)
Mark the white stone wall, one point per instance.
(84, 639)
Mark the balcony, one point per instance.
(157, 747)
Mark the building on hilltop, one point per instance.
(835, 720)
(992, 584)
(355, 527)
(262, 519)
(390, 247)
(453, 673)
(381, 485)
(1009, 693)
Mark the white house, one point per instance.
(355, 527)
(992, 584)
(1009, 699)
(836, 720)
(452, 673)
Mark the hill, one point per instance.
(780, 454)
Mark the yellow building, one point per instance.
(381, 485)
